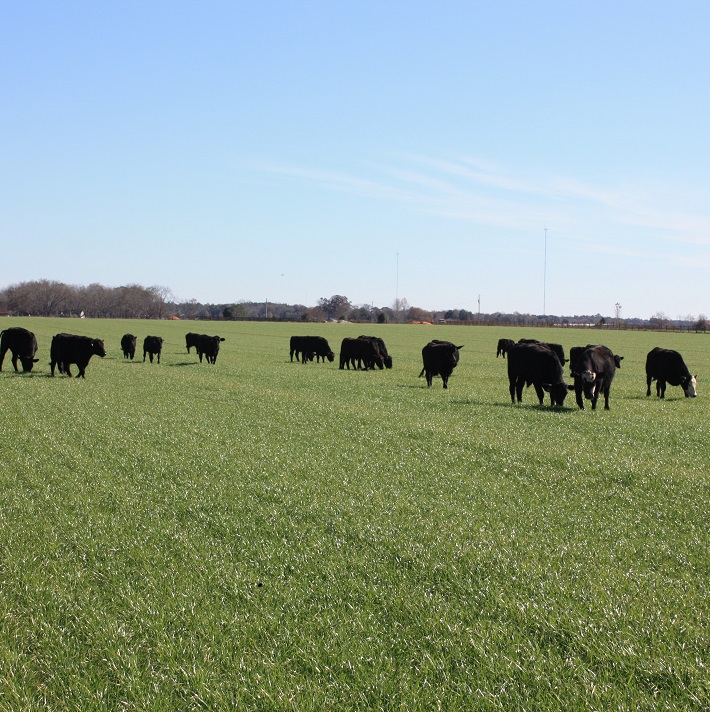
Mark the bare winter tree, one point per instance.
(161, 295)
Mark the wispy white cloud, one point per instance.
(485, 193)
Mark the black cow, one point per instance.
(310, 347)
(192, 339)
(667, 366)
(503, 347)
(70, 348)
(536, 364)
(152, 346)
(23, 346)
(128, 346)
(379, 344)
(575, 352)
(440, 359)
(360, 352)
(593, 373)
(556, 348)
(208, 347)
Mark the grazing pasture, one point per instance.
(266, 534)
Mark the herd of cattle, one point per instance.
(530, 362)
(592, 367)
(68, 349)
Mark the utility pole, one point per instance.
(396, 291)
(544, 280)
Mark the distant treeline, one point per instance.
(51, 298)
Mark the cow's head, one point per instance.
(388, 361)
(690, 386)
(97, 347)
(618, 360)
(330, 356)
(27, 363)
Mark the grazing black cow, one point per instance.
(440, 359)
(503, 347)
(379, 344)
(667, 366)
(23, 346)
(70, 348)
(310, 347)
(536, 364)
(208, 347)
(360, 353)
(192, 339)
(128, 346)
(593, 373)
(152, 346)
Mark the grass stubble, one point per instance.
(267, 535)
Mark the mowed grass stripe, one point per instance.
(267, 534)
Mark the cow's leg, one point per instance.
(2, 356)
(158, 356)
(578, 397)
(14, 361)
(445, 379)
(511, 389)
(606, 397)
(595, 396)
(519, 385)
(65, 368)
(648, 385)
(661, 388)
(540, 392)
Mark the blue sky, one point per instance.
(295, 150)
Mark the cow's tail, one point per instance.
(422, 373)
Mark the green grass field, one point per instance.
(262, 534)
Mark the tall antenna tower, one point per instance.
(544, 279)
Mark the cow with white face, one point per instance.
(667, 366)
(593, 373)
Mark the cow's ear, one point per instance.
(35, 360)
(460, 347)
